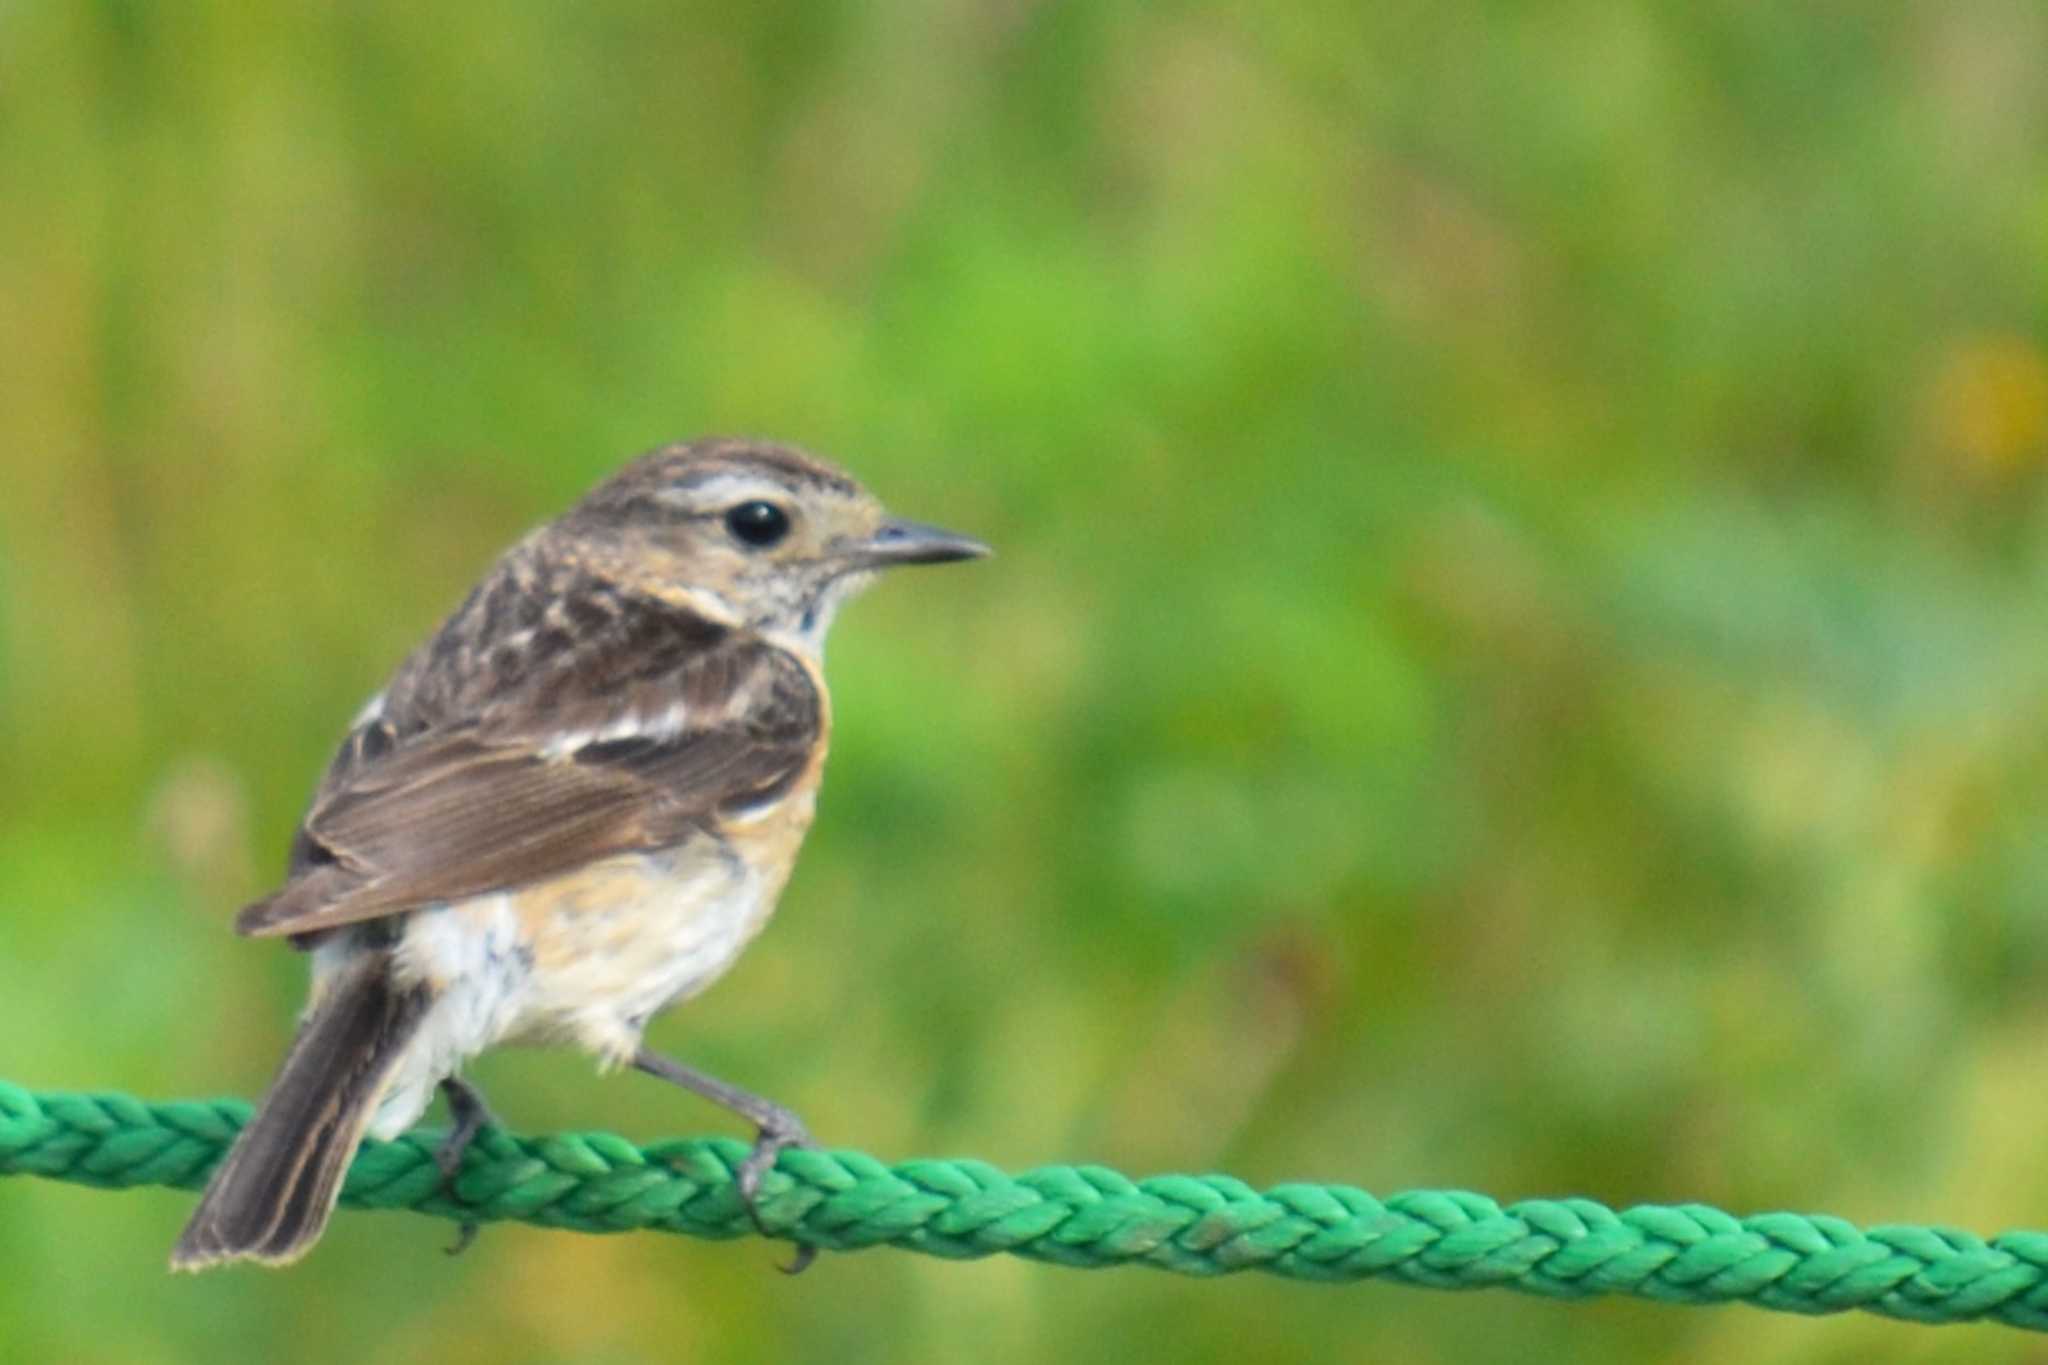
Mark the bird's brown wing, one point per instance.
(492, 804)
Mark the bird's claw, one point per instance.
(770, 1142)
(471, 1115)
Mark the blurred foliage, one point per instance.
(1514, 662)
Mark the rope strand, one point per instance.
(1090, 1216)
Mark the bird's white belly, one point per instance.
(588, 959)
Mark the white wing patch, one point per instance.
(662, 725)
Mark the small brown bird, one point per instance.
(570, 809)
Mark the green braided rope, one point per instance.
(1089, 1216)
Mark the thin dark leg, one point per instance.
(466, 1106)
(775, 1130)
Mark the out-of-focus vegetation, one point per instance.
(1515, 661)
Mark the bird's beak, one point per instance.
(912, 542)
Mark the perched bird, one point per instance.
(569, 809)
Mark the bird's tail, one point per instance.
(270, 1198)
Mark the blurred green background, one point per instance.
(1515, 659)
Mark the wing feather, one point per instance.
(615, 761)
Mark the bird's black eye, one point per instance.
(759, 524)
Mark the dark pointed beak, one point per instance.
(912, 542)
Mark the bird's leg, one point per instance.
(466, 1106)
(775, 1130)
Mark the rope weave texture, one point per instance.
(1089, 1216)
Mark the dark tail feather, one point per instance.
(270, 1199)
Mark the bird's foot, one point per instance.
(771, 1141)
(472, 1115)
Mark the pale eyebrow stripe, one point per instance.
(719, 486)
(775, 468)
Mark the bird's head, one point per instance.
(759, 534)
